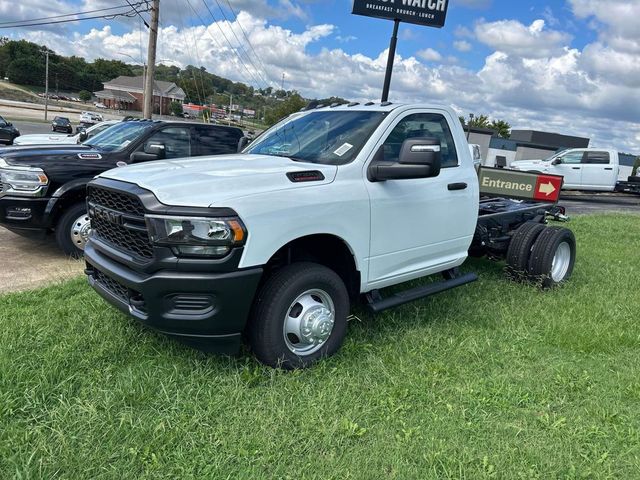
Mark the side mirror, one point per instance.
(419, 158)
(557, 161)
(151, 152)
(157, 149)
(83, 136)
(243, 142)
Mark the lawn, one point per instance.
(493, 379)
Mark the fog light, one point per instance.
(19, 213)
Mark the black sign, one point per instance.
(431, 13)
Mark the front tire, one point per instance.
(299, 316)
(72, 230)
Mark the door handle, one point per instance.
(576, 168)
(457, 186)
(608, 168)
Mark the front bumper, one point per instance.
(24, 213)
(206, 310)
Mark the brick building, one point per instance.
(125, 93)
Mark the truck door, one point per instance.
(570, 167)
(419, 226)
(598, 171)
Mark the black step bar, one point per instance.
(377, 304)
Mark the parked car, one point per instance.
(8, 133)
(60, 139)
(90, 118)
(328, 206)
(100, 105)
(595, 169)
(44, 186)
(61, 124)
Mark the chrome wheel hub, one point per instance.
(309, 322)
(561, 262)
(80, 230)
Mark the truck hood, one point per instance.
(212, 181)
(44, 155)
(46, 139)
(539, 165)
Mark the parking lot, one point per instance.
(29, 263)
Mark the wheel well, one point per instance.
(72, 197)
(325, 249)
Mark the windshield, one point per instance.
(326, 137)
(119, 136)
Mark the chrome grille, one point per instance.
(128, 235)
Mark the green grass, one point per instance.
(490, 380)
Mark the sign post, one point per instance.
(430, 13)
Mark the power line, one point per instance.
(251, 74)
(216, 40)
(141, 17)
(258, 72)
(247, 38)
(71, 14)
(107, 17)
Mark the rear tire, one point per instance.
(308, 299)
(519, 250)
(72, 230)
(553, 257)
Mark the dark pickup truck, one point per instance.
(42, 188)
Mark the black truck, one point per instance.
(42, 188)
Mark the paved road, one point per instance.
(28, 263)
(27, 128)
(582, 204)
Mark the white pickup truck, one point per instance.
(62, 139)
(326, 208)
(595, 169)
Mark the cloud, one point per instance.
(512, 37)
(430, 55)
(462, 46)
(535, 79)
(346, 38)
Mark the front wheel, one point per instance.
(299, 317)
(72, 230)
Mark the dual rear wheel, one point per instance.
(540, 254)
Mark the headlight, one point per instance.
(197, 236)
(22, 181)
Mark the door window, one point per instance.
(176, 141)
(216, 141)
(599, 158)
(422, 125)
(572, 157)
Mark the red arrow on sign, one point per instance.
(548, 188)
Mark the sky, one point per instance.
(565, 66)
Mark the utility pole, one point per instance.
(230, 108)
(282, 86)
(46, 86)
(151, 60)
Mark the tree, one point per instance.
(636, 167)
(85, 95)
(175, 108)
(291, 105)
(502, 128)
(26, 71)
